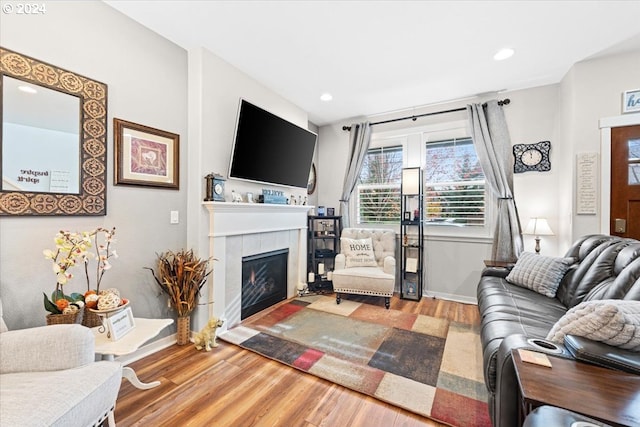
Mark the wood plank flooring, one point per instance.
(230, 386)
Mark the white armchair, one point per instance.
(49, 377)
(375, 278)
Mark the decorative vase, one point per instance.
(57, 319)
(184, 330)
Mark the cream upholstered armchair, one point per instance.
(48, 377)
(366, 264)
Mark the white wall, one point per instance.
(215, 89)
(593, 90)
(566, 114)
(532, 117)
(147, 84)
(153, 82)
(454, 263)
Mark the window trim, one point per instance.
(376, 143)
(460, 183)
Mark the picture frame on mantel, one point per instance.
(145, 156)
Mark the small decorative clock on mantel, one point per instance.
(215, 188)
(532, 157)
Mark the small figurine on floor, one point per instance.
(206, 338)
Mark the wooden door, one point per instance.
(625, 181)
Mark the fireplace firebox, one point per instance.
(264, 281)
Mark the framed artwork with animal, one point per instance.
(145, 156)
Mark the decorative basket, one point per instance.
(59, 319)
(91, 319)
(184, 330)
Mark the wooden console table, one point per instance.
(144, 330)
(604, 394)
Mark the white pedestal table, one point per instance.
(144, 330)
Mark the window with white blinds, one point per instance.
(454, 184)
(378, 188)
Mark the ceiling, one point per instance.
(381, 56)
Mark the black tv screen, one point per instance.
(269, 149)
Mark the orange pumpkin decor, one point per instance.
(91, 299)
(62, 304)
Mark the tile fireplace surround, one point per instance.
(243, 229)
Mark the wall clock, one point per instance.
(532, 157)
(218, 189)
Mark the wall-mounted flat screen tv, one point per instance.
(269, 149)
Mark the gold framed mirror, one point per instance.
(53, 148)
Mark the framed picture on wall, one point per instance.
(631, 101)
(145, 156)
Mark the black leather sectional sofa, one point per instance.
(604, 267)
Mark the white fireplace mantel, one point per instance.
(241, 229)
(229, 219)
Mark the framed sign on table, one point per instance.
(145, 156)
(119, 324)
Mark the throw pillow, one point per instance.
(539, 273)
(613, 322)
(358, 252)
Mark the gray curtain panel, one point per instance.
(359, 138)
(493, 146)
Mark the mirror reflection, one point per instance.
(40, 139)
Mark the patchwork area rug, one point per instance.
(429, 366)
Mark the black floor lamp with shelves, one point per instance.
(411, 234)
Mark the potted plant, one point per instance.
(181, 276)
(101, 241)
(71, 249)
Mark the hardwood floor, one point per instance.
(230, 386)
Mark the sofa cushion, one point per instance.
(596, 267)
(358, 252)
(539, 273)
(72, 397)
(613, 322)
(364, 281)
(507, 310)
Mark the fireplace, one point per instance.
(264, 281)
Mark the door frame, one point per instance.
(605, 125)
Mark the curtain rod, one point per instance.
(505, 101)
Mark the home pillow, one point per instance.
(613, 322)
(539, 273)
(358, 252)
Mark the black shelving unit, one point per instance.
(411, 235)
(323, 244)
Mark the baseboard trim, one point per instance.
(451, 297)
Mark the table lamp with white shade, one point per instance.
(538, 227)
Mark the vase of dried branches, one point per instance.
(184, 330)
(181, 275)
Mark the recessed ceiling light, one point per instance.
(505, 53)
(326, 97)
(27, 89)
